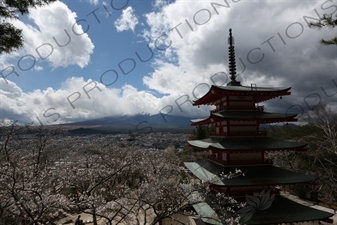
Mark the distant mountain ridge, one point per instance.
(157, 120)
(141, 123)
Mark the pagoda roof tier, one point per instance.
(260, 93)
(260, 116)
(282, 210)
(236, 144)
(208, 171)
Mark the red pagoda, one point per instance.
(238, 143)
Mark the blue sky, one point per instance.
(181, 47)
(110, 48)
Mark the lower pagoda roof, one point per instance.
(208, 171)
(260, 116)
(246, 143)
(282, 210)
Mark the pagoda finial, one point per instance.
(231, 57)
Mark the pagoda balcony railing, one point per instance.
(250, 108)
(259, 108)
(216, 160)
(217, 110)
(239, 134)
(240, 162)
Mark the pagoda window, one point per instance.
(224, 105)
(243, 129)
(224, 156)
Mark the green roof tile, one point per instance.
(284, 210)
(207, 214)
(246, 143)
(254, 175)
(203, 174)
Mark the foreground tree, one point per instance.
(97, 171)
(46, 175)
(321, 157)
(326, 21)
(136, 186)
(10, 36)
(30, 190)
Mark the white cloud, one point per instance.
(197, 34)
(38, 68)
(94, 2)
(184, 70)
(70, 103)
(160, 3)
(51, 37)
(127, 21)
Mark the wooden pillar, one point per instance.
(228, 128)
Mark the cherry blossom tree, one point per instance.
(321, 156)
(46, 175)
(29, 187)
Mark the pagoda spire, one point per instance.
(232, 64)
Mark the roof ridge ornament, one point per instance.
(231, 59)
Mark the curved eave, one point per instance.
(203, 174)
(234, 144)
(281, 211)
(286, 211)
(261, 117)
(260, 93)
(207, 214)
(254, 175)
(207, 98)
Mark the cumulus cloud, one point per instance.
(127, 21)
(274, 47)
(77, 98)
(54, 36)
(158, 4)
